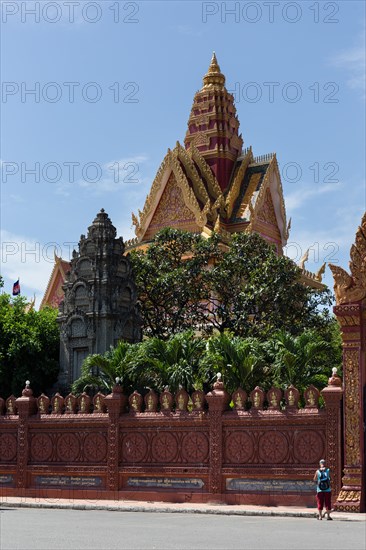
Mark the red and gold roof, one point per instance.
(212, 183)
(209, 184)
(54, 293)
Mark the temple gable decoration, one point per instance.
(263, 201)
(170, 181)
(172, 205)
(186, 178)
(54, 293)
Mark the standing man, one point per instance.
(323, 490)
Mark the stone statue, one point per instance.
(257, 400)
(274, 402)
(291, 398)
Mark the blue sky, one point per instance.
(296, 70)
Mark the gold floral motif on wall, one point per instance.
(171, 209)
(353, 496)
(267, 211)
(201, 139)
(352, 408)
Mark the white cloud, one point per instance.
(17, 198)
(332, 242)
(329, 245)
(187, 30)
(125, 229)
(353, 61)
(111, 177)
(300, 196)
(325, 245)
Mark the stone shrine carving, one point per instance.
(99, 305)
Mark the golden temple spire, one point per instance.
(214, 76)
(213, 127)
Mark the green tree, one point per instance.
(171, 279)
(240, 361)
(332, 357)
(29, 346)
(256, 291)
(300, 360)
(153, 363)
(100, 371)
(184, 280)
(173, 362)
(190, 361)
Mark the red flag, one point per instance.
(16, 288)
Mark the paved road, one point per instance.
(42, 529)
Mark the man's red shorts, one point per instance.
(324, 499)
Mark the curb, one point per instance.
(171, 510)
(164, 510)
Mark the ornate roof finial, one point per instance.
(32, 303)
(27, 392)
(288, 228)
(56, 258)
(304, 259)
(320, 272)
(214, 76)
(335, 380)
(217, 226)
(352, 288)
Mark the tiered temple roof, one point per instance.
(209, 184)
(212, 183)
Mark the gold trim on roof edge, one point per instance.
(319, 274)
(171, 161)
(188, 193)
(247, 199)
(215, 188)
(273, 167)
(57, 267)
(236, 185)
(186, 160)
(288, 229)
(139, 221)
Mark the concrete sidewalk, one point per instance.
(167, 507)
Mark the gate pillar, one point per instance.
(218, 401)
(332, 396)
(350, 291)
(26, 406)
(116, 404)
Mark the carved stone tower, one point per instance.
(99, 305)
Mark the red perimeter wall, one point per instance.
(213, 453)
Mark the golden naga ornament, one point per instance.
(352, 288)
